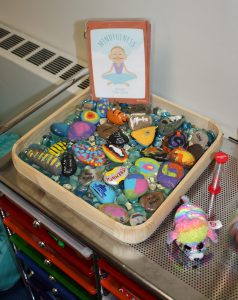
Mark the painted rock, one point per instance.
(69, 165)
(115, 212)
(115, 153)
(139, 120)
(182, 157)
(147, 166)
(88, 175)
(90, 116)
(175, 140)
(152, 201)
(102, 107)
(46, 161)
(144, 136)
(196, 150)
(116, 175)
(80, 130)
(103, 192)
(200, 137)
(107, 129)
(59, 129)
(169, 124)
(89, 155)
(58, 148)
(138, 108)
(135, 185)
(137, 218)
(118, 138)
(170, 174)
(116, 116)
(155, 153)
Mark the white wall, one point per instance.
(194, 44)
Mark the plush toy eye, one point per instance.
(200, 246)
(186, 247)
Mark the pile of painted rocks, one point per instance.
(122, 159)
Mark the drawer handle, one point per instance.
(41, 244)
(47, 262)
(54, 291)
(36, 224)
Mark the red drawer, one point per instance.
(40, 231)
(58, 260)
(116, 280)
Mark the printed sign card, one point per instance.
(119, 60)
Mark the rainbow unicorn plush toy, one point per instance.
(191, 230)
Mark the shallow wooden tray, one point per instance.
(121, 232)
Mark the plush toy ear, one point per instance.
(171, 237)
(212, 235)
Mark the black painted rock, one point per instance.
(69, 165)
(118, 138)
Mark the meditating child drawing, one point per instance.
(118, 73)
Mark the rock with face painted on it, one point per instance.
(115, 153)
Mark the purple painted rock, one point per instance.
(80, 130)
(170, 174)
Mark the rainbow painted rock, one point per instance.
(170, 174)
(102, 107)
(103, 192)
(90, 116)
(115, 153)
(80, 130)
(116, 175)
(147, 166)
(182, 157)
(114, 211)
(89, 155)
(135, 185)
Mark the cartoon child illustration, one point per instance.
(118, 73)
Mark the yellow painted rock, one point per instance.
(144, 136)
(182, 157)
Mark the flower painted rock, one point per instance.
(89, 155)
(170, 174)
(102, 107)
(103, 192)
(147, 166)
(59, 129)
(135, 185)
(80, 130)
(116, 175)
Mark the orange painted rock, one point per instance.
(182, 157)
(116, 116)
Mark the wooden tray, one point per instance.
(121, 232)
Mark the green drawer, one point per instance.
(51, 269)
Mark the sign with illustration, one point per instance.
(119, 60)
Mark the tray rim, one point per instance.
(124, 233)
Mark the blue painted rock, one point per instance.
(102, 107)
(170, 174)
(147, 166)
(59, 129)
(116, 175)
(118, 138)
(135, 185)
(69, 165)
(80, 130)
(175, 140)
(103, 192)
(89, 155)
